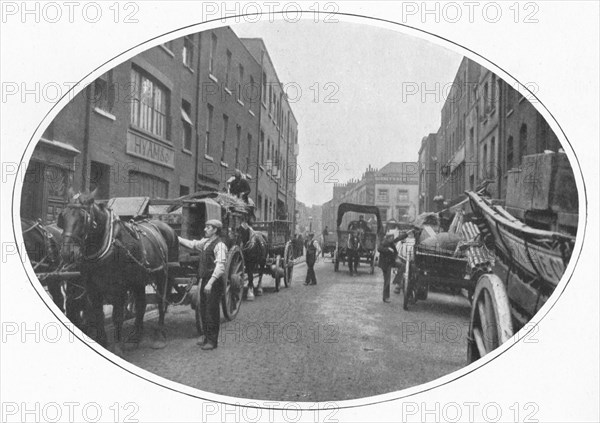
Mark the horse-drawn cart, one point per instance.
(280, 250)
(187, 216)
(530, 266)
(367, 238)
(427, 264)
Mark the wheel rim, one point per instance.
(491, 321)
(233, 289)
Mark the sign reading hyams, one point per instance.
(152, 151)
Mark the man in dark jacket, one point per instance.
(312, 255)
(239, 186)
(387, 258)
(211, 269)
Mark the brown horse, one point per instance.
(44, 246)
(254, 249)
(118, 258)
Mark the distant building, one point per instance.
(427, 172)
(393, 189)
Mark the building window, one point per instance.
(188, 51)
(402, 213)
(383, 195)
(485, 98)
(209, 119)
(264, 87)
(484, 161)
(493, 96)
(383, 211)
(270, 99)
(228, 69)
(262, 147)
(471, 141)
(224, 141)
(238, 140)
(104, 92)
(240, 81)
(145, 185)
(250, 93)
(149, 105)
(522, 143)
(213, 54)
(268, 149)
(183, 190)
(492, 165)
(510, 153)
(403, 195)
(186, 122)
(248, 157)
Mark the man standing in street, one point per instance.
(211, 268)
(312, 255)
(387, 258)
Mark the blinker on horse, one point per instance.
(118, 258)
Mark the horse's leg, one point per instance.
(96, 313)
(261, 269)
(118, 313)
(163, 288)
(250, 273)
(139, 293)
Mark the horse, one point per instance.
(254, 249)
(118, 258)
(352, 252)
(43, 244)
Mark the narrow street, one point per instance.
(333, 341)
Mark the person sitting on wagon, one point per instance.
(211, 268)
(239, 186)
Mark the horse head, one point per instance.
(80, 219)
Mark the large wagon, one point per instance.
(280, 250)
(452, 270)
(187, 216)
(533, 235)
(531, 263)
(368, 238)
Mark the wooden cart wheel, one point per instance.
(278, 266)
(491, 321)
(288, 264)
(234, 283)
(336, 258)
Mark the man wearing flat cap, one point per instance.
(211, 268)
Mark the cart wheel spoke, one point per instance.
(479, 341)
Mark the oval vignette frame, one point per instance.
(344, 404)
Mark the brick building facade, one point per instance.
(177, 118)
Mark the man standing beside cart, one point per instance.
(312, 253)
(211, 268)
(387, 258)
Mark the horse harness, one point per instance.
(47, 236)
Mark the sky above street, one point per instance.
(359, 101)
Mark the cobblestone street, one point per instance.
(330, 342)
